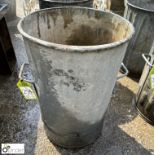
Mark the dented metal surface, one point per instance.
(72, 52)
(141, 14)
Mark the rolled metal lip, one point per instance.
(73, 48)
(61, 1)
(138, 7)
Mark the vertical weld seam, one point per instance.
(38, 26)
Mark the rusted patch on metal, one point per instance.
(70, 71)
(78, 85)
(97, 36)
(68, 18)
(38, 26)
(54, 15)
(48, 22)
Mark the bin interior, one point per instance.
(76, 26)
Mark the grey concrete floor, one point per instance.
(124, 131)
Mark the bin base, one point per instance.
(146, 118)
(70, 141)
(140, 113)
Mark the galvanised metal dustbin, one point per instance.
(144, 100)
(75, 54)
(141, 14)
(58, 3)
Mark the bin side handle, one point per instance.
(124, 70)
(145, 57)
(25, 73)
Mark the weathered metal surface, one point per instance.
(145, 103)
(141, 14)
(75, 54)
(145, 96)
(56, 3)
(146, 68)
(116, 6)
